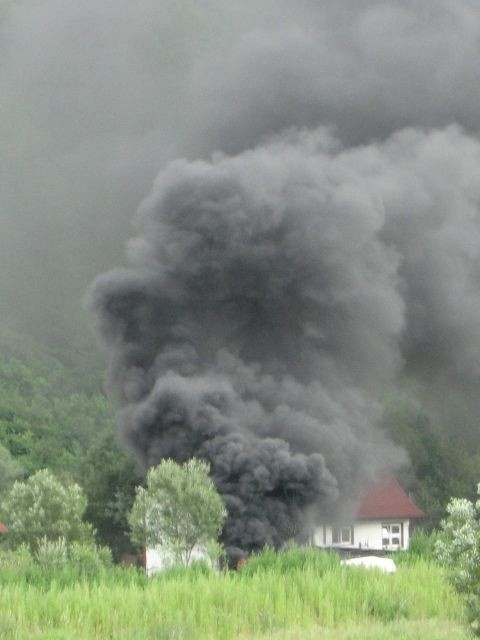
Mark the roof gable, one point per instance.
(387, 500)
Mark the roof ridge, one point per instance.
(387, 499)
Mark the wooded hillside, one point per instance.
(54, 414)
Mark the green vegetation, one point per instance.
(10, 469)
(54, 415)
(43, 509)
(442, 465)
(294, 594)
(458, 549)
(180, 508)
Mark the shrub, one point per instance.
(458, 550)
(15, 560)
(422, 547)
(56, 561)
(422, 544)
(43, 507)
(52, 554)
(295, 558)
(89, 560)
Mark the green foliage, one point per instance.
(293, 559)
(180, 572)
(216, 553)
(198, 603)
(10, 469)
(439, 466)
(52, 417)
(45, 418)
(179, 509)
(422, 545)
(15, 560)
(51, 554)
(109, 478)
(57, 563)
(458, 549)
(89, 560)
(43, 508)
(84, 561)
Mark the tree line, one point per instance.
(55, 415)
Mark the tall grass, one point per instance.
(270, 594)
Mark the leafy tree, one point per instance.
(48, 417)
(10, 469)
(458, 549)
(439, 465)
(43, 508)
(179, 509)
(109, 477)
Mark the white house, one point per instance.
(382, 521)
(157, 558)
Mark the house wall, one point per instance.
(367, 534)
(158, 558)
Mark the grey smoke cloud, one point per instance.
(369, 68)
(98, 96)
(310, 239)
(273, 294)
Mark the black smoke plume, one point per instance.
(97, 96)
(324, 247)
(260, 304)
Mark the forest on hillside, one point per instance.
(55, 414)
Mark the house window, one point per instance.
(342, 535)
(391, 535)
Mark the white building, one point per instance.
(158, 558)
(382, 521)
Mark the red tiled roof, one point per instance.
(387, 500)
(3, 528)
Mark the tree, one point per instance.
(10, 469)
(440, 466)
(48, 417)
(109, 477)
(179, 509)
(42, 508)
(458, 549)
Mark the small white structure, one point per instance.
(158, 558)
(381, 523)
(387, 565)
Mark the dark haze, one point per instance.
(312, 239)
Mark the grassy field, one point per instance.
(302, 595)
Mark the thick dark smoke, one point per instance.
(273, 294)
(312, 238)
(260, 304)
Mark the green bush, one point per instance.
(81, 559)
(52, 554)
(422, 544)
(89, 560)
(295, 558)
(194, 570)
(458, 550)
(65, 565)
(15, 561)
(43, 507)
